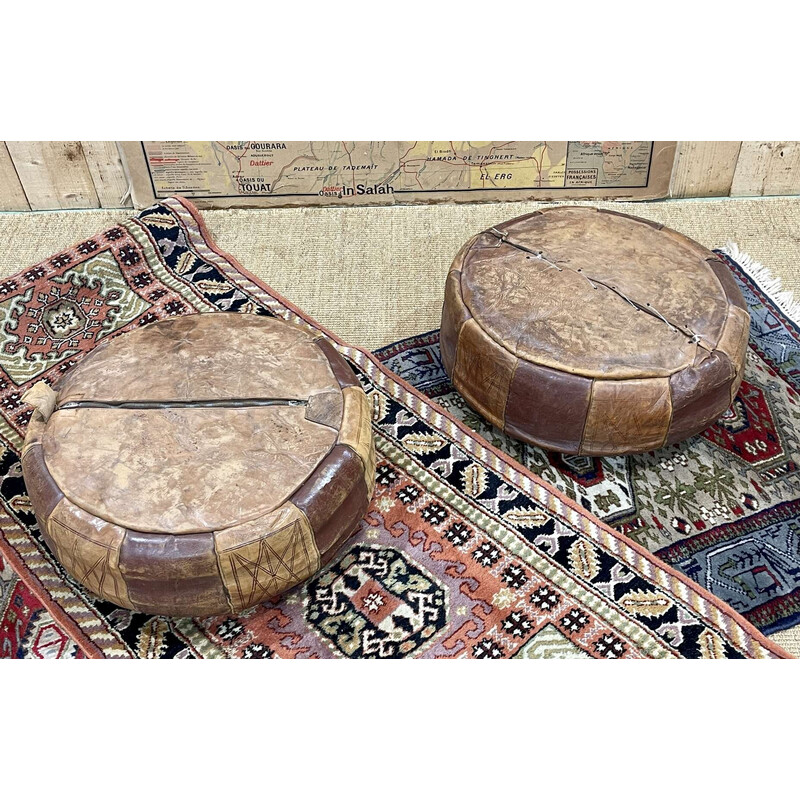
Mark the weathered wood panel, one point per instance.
(704, 169)
(54, 174)
(767, 168)
(108, 174)
(12, 195)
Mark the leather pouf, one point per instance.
(592, 332)
(200, 465)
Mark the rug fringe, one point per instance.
(769, 283)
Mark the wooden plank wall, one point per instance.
(35, 176)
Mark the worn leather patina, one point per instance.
(202, 464)
(593, 332)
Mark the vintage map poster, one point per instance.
(261, 173)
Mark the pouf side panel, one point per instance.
(356, 431)
(263, 558)
(172, 575)
(627, 416)
(454, 315)
(483, 372)
(548, 407)
(341, 369)
(454, 309)
(42, 489)
(729, 286)
(734, 341)
(334, 498)
(736, 384)
(89, 549)
(700, 395)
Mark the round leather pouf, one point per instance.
(592, 332)
(200, 465)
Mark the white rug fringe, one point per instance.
(769, 283)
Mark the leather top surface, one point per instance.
(555, 310)
(185, 468)
(202, 357)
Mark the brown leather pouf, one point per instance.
(593, 332)
(200, 465)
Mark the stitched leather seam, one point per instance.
(586, 418)
(145, 405)
(510, 384)
(725, 294)
(671, 415)
(560, 367)
(217, 557)
(645, 308)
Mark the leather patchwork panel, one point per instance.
(737, 382)
(483, 241)
(88, 548)
(333, 498)
(700, 395)
(696, 416)
(729, 285)
(35, 431)
(42, 489)
(627, 416)
(548, 407)
(257, 565)
(326, 408)
(735, 337)
(356, 431)
(483, 372)
(174, 575)
(341, 369)
(454, 315)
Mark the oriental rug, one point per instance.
(463, 553)
(722, 507)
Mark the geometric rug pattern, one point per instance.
(462, 553)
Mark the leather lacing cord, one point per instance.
(159, 404)
(693, 337)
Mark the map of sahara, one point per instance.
(367, 169)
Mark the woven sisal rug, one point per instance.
(723, 507)
(463, 552)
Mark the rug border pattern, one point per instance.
(96, 642)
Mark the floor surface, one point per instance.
(375, 275)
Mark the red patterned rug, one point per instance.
(463, 553)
